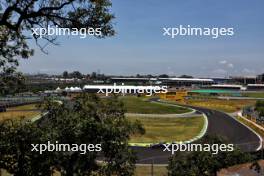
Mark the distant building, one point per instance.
(174, 82)
(220, 80)
(245, 79)
(131, 80)
(186, 82)
(227, 86)
(261, 78)
(255, 87)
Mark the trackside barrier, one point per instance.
(18, 101)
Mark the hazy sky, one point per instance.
(140, 47)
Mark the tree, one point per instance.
(261, 78)
(87, 120)
(76, 74)
(205, 163)
(185, 76)
(15, 149)
(65, 74)
(261, 112)
(19, 17)
(259, 105)
(163, 76)
(94, 75)
(138, 76)
(10, 82)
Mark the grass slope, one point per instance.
(222, 105)
(142, 106)
(146, 170)
(168, 129)
(254, 94)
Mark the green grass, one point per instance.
(24, 107)
(146, 171)
(20, 112)
(254, 94)
(167, 129)
(143, 106)
(227, 106)
(4, 173)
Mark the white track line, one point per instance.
(260, 138)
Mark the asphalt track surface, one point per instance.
(219, 123)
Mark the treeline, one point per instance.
(79, 75)
(94, 75)
(102, 76)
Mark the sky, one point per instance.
(139, 47)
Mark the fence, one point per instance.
(251, 113)
(18, 101)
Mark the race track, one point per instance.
(219, 123)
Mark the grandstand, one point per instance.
(177, 82)
(255, 87)
(227, 86)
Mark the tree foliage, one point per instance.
(203, 163)
(15, 149)
(88, 120)
(18, 17)
(260, 107)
